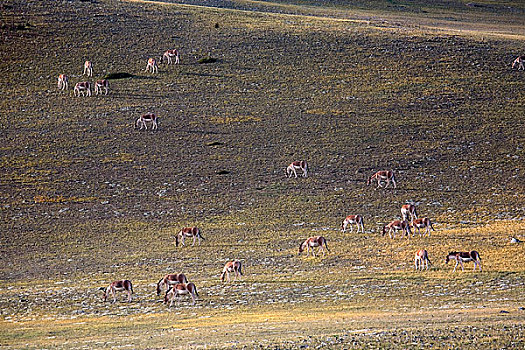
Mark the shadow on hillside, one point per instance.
(205, 75)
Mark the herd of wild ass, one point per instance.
(177, 284)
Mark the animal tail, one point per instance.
(131, 287)
(240, 268)
(326, 245)
(432, 227)
(195, 291)
(177, 240)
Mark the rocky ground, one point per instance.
(87, 198)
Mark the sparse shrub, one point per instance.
(207, 59)
(120, 75)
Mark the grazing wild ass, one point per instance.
(63, 82)
(118, 286)
(383, 175)
(168, 56)
(170, 280)
(147, 118)
(421, 260)
(311, 243)
(189, 232)
(351, 220)
(422, 223)
(81, 87)
(231, 266)
(296, 166)
(408, 209)
(397, 225)
(101, 84)
(462, 257)
(519, 62)
(152, 65)
(179, 289)
(88, 69)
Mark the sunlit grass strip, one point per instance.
(226, 325)
(474, 27)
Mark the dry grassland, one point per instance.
(418, 87)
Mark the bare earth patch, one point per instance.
(87, 198)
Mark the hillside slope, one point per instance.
(86, 195)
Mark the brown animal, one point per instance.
(63, 82)
(462, 257)
(81, 87)
(88, 69)
(422, 223)
(118, 286)
(397, 225)
(101, 84)
(421, 260)
(351, 220)
(170, 280)
(311, 243)
(169, 54)
(179, 289)
(295, 166)
(231, 266)
(147, 118)
(519, 62)
(152, 65)
(408, 210)
(189, 232)
(383, 175)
